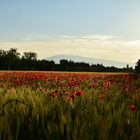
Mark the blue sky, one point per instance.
(35, 25)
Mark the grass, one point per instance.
(102, 112)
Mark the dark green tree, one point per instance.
(64, 65)
(137, 67)
(12, 59)
(30, 56)
(2, 59)
(29, 61)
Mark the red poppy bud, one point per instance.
(132, 107)
(131, 97)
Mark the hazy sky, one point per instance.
(106, 29)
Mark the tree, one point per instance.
(29, 61)
(137, 67)
(64, 64)
(2, 59)
(12, 59)
(29, 56)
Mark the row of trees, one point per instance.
(12, 60)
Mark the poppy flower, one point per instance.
(131, 97)
(107, 83)
(132, 107)
(53, 94)
(67, 85)
(42, 90)
(67, 93)
(17, 82)
(33, 85)
(126, 75)
(101, 97)
(104, 93)
(78, 93)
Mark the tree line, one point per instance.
(13, 60)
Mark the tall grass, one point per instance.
(27, 114)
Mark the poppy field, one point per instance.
(69, 106)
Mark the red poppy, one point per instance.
(101, 97)
(67, 85)
(132, 107)
(78, 93)
(131, 97)
(68, 93)
(126, 75)
(107, 83)
(33, 85)
(42, 90)
(104, 93)
(53, 94)
(17, 82)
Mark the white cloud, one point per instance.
(89, 37)
(96, 46)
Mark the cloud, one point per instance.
(89, 37)
(96, 46)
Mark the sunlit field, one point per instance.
(70, 106)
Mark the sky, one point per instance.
(104, 29)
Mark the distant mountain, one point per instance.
(74, 58)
